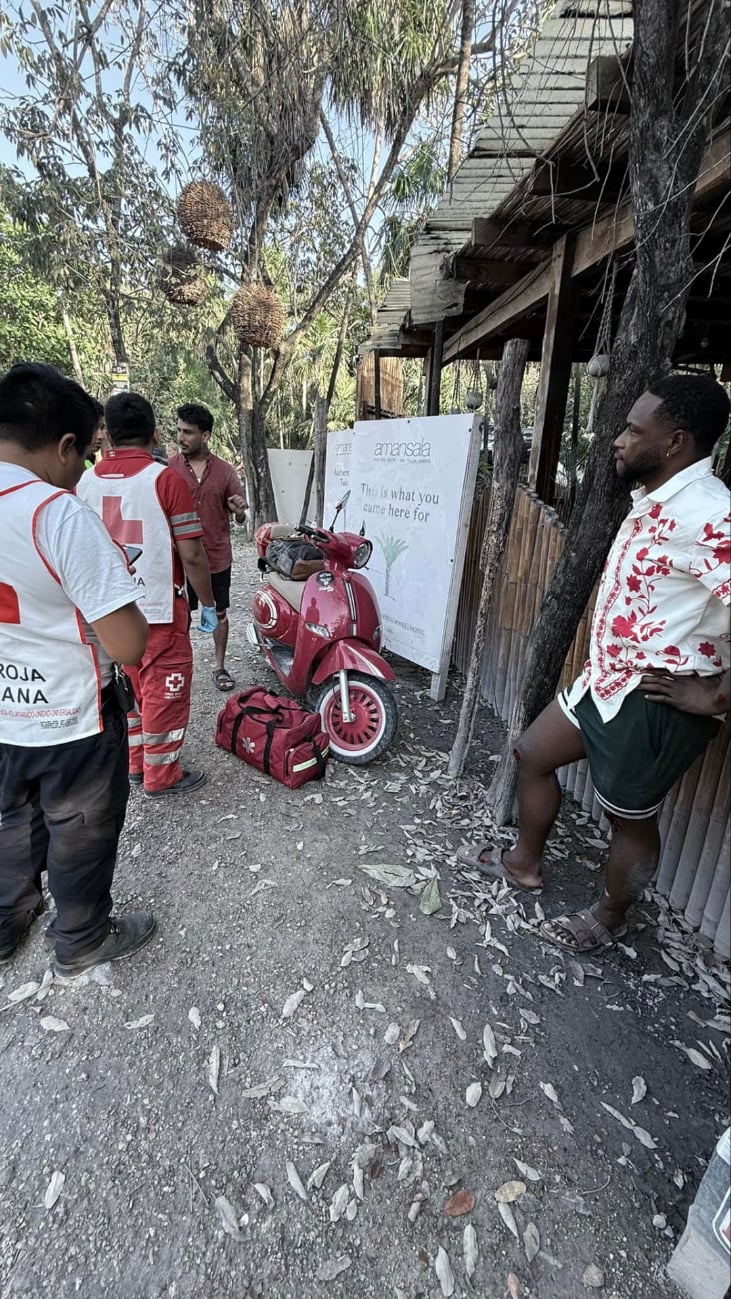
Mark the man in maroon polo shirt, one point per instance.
(217, 494)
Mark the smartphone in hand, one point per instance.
(133, 553)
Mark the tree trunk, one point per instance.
(337, 359)
(319, 457)
(663, 177)
(507, 454)
(253, 442)
(73, 350)
(460, 89)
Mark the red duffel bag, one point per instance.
(275, 735)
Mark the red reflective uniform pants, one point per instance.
(162, 683)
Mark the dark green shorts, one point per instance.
(636, 758)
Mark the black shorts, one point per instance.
(221, 583)
(636, 758)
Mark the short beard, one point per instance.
(643, 468)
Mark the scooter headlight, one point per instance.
(362, 554)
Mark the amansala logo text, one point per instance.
(402, 451)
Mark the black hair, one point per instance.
(98, 407)
(695, 403)
(191, 413)
(38, 405)
(130, 419)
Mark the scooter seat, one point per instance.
(292, 591)
(281, 531)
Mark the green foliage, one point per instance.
(30, 322)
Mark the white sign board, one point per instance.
(412, 483)
(338, 456)
(289, 470)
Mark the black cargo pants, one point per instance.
(62, 809)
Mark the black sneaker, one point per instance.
(10, 946)
(135, 778)
(126, 936)
(189, 780)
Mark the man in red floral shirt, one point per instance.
(657, 681)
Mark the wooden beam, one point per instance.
(484, 271)
(555, 374)
(521, 234)
(377, 382)
(563, 180)
(435, 370)
(607, 84)
(505, 310)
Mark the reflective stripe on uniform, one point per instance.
(175, 519)
(165, 737)
(135, 741)
(161, 759)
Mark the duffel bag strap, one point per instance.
(271, 728)
(319, 758)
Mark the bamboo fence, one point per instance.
(695, 865)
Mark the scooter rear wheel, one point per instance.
(374, 724)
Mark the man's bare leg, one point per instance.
(633, 858)
(552, 741)
(220, 641)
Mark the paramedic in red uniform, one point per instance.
(147, 506)
(68, 610)
(217, 494)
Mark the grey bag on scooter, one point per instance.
(294, 559)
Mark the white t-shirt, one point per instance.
(91, 568)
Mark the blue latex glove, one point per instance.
(209, 621)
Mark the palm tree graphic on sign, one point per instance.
(392, 548)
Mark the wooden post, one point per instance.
(319, 458)
(435, 370)
(553, 384)
(377, 384)
(507, 452)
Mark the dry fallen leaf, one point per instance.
(53, 1025)
(699, 1060)
(227, 1216)
(457, 1026)
(54, 1189)
(295, 1182)
(266, 1195)
(550, 1091)
(460, 1203)
(639, 1089)
(213, 1068)
(194, 1016)
(332, 1268)
(430, 901)
(339, 1202)
(292, 1003)
(515, 1289)
(473, 1094)
(489, 1044)
(317, 1177)
(394, 877)
(445, 1275)
(510, 1191)
(25, 990)
(525, 1170)
(469, 1242)
(142, 1022)
(392, 1034)
(508, 1217)
(531, 1241)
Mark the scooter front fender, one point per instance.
(354, 656)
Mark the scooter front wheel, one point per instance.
(374, 723)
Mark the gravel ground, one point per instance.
(296, 1019)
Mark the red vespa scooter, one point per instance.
(322, 637)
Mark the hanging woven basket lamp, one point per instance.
(257, 316)
(181, 280)
(206, 215)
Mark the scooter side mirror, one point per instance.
(361, 531)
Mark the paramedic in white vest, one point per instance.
(67, 611)
(147, 506)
